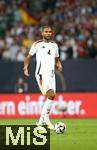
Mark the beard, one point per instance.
(47, 38)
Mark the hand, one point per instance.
(59, 67)
(26, 72)
(58, 64)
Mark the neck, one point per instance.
(46, 40)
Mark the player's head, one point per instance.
(47, 32)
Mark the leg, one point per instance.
(46, 109)
(48, 88)
(50, 94)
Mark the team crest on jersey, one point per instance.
(43, 46)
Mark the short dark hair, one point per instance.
(46, 26)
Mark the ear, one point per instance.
(53, 31)
(42, 33)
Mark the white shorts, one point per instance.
(46, 83)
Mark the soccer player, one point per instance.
(47, 57)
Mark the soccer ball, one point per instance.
(60, 127)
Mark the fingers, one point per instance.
(60, 69)
(26, 73)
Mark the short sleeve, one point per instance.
(57, 51)
(33, 49)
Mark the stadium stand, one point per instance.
(75, 25)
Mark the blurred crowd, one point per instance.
(75, 23)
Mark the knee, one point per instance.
(50, 95)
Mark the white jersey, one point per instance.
(46, 52)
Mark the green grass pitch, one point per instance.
(81, 134)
